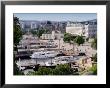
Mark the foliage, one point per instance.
(44, 71)
(17, 71)
(94, 69)
(94, 43)
(68, 37)
(17, 31)
(33, 32)
(37, 31)
(49, 22)
(40, 32)
(59, 70)
(63, 69)
(87, 39)
(79, 40)
(24, 32)
(94, 58)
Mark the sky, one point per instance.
(56, 16)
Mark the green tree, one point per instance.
(49, 22)
(67, 37)
(79, 40)
(94, 58)
(17, 32)
(44, 71)
(94, 69)
(94, 43)
(46, 30)
(87, 39)
(17, 36)
(33, 32)
(17, 71)
(73, 41)
(63, 69)
(40, 32)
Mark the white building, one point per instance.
(90, 30)
(53, 35)
(46, 36)
(75, 28)
(87, 28)
(30, 24)
(33, 25)
(28, 41)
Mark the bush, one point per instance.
(94, 43)
(44, 71)
(79, 40)
(59, 70)
(63, 70)
(94, 69)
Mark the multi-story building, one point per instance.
(75, 28)
(53, 35)
(30, 24)
(85, 28)
(48, 25)
(91, 30)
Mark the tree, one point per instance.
(33, 32)
(94, 69)
(62, 69)
(87, 39)
(17, 36)
(49, 22)
(79, 40)
(94, 43)
(40, 32)
(44, 71)
(17, 32)
(68, 37)
(94, 58)
(17, 71)
(73, 41)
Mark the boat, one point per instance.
(43, 54)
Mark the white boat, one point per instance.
(49, 64)
(43, 54)
(63, 59)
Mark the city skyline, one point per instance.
(56, 16)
